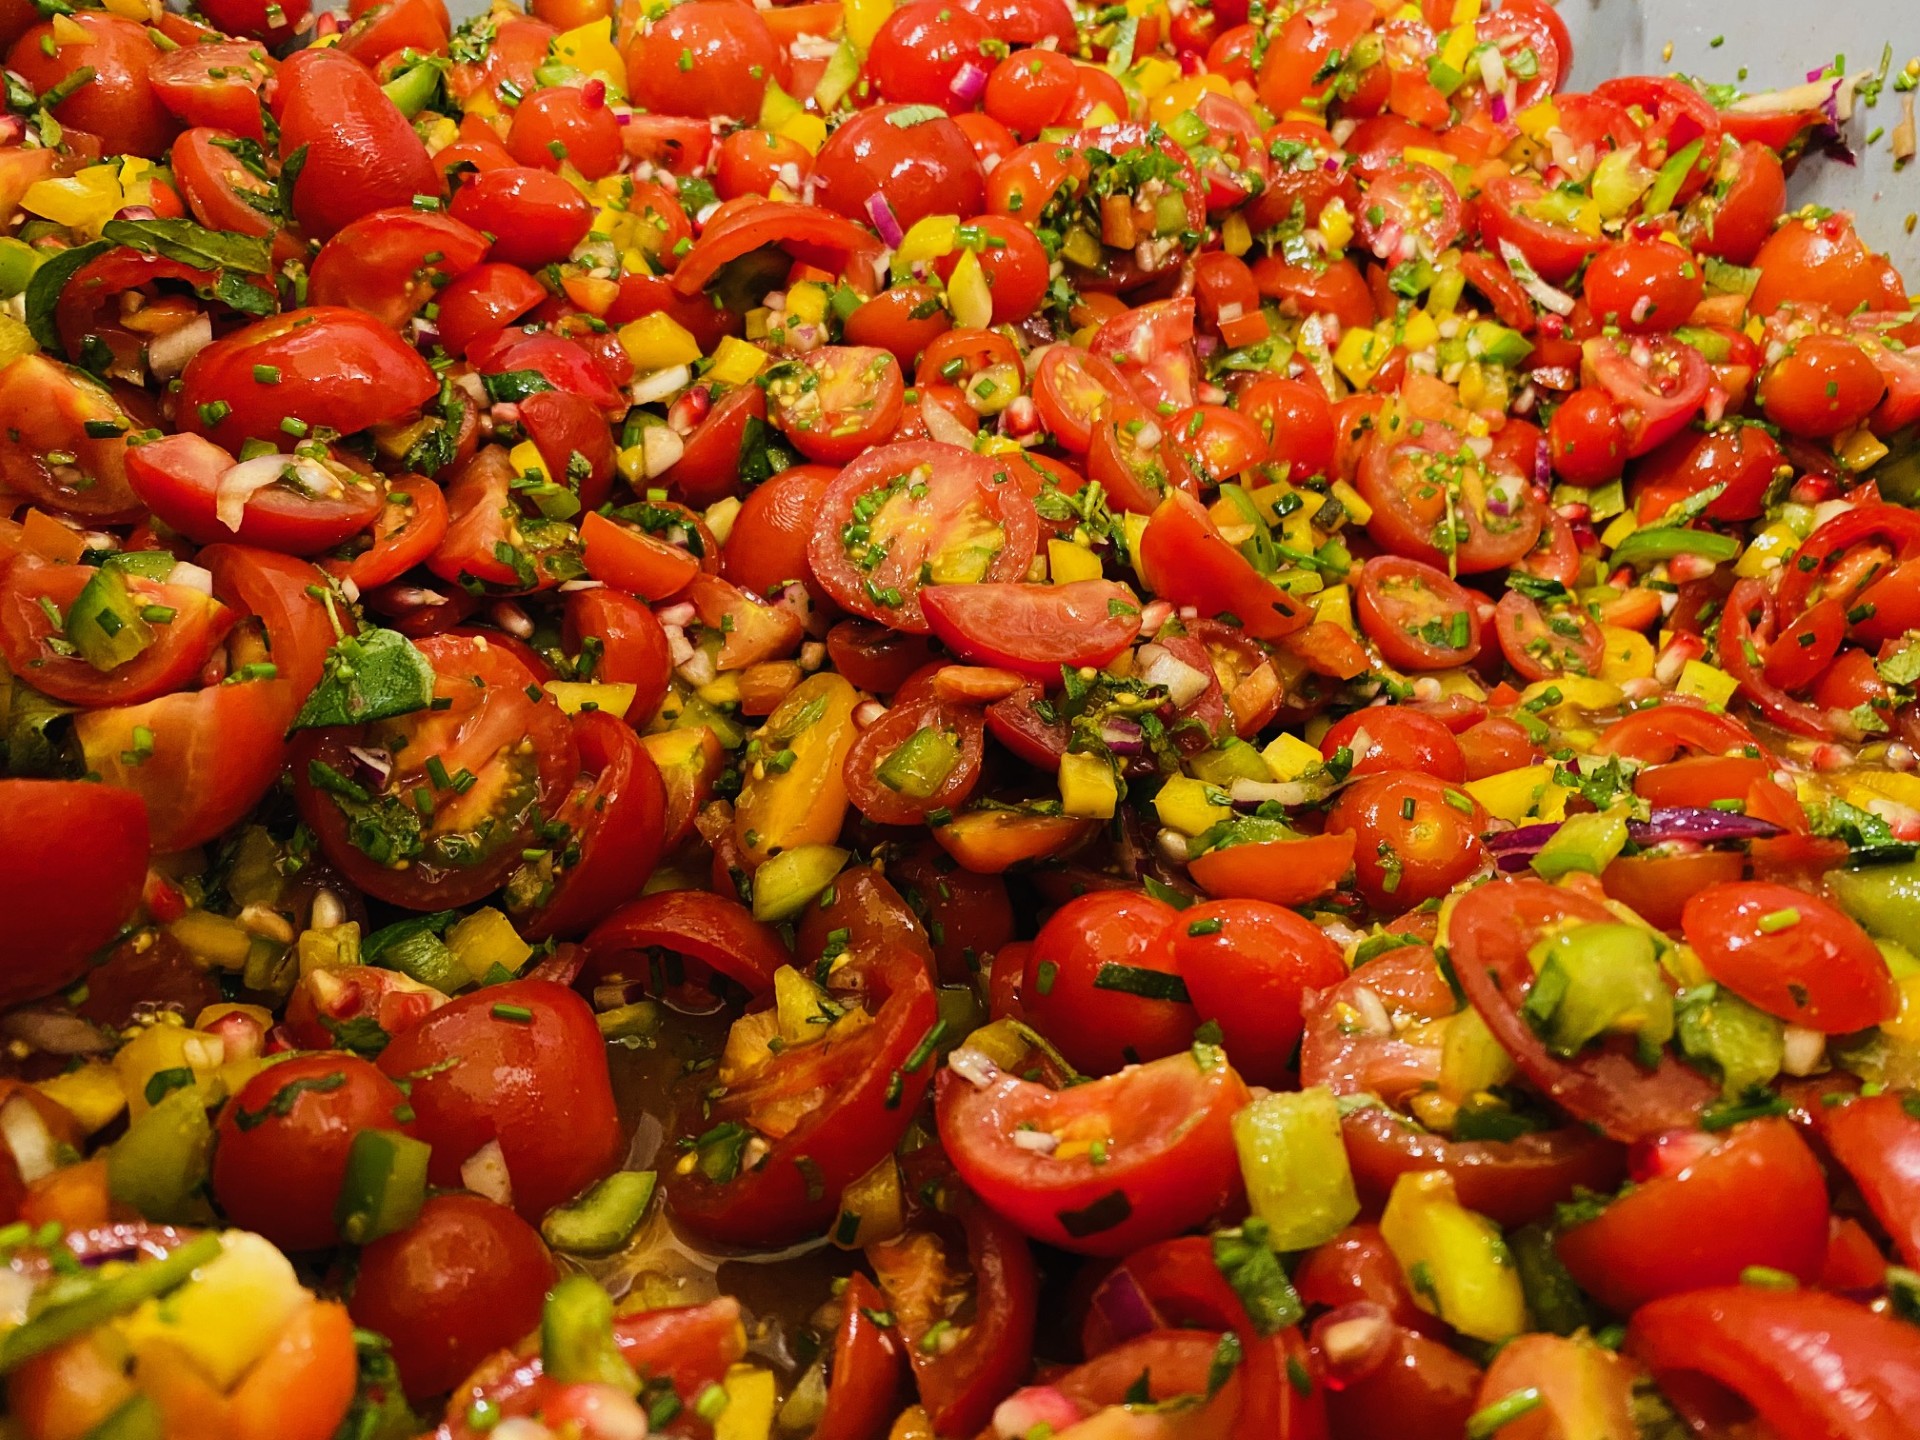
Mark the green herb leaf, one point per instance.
(374, 675)
(190, 244)
(43, 291)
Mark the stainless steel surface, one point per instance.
(1778, 42)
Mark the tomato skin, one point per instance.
(1605, 1086)
(486, 298)
(379, 263)
(1588, 443)
(929, 169)
(1822, 261)
(1734, 226)
(869, 1361)
(1744, 458)
(1169, 1123)
(535, 217)
(1397, 739)
(1436, 848)
(362, 154)
(1823, 385)
(587, 135)
(634, 646)
(279, 1171)
(780, 1202)
(178, 477)
(921, 51)
(50, 405)
(841, 400)
(886, 806)
(464, 1279)
(1878, 1144)
(215, 85)
(768, 545)
(61, 913)
(1791, 954)
(1644, 285)
(1406, 608)
(1033, 630)
(119, 101)
(1280, 872)
(733, 58)
(1184, 559)
(1100, 1030)
(1248, 976)
(710, 929)
(215, 753)
(337, 367)
(181, 645)
(211, 180)
(511, 1078)
(1660, 1238)
(1810, 1364)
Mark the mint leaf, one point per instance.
(189, 244)
(374, 675)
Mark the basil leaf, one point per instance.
(512, 386)
(374, 675)
(190, 244)
(44, 289)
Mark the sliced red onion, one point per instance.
(884, 220)
(1354, 1340)
(1512, 849)
(1497, 106)
(968, 84)
(371, 767)
(1543, 294)
(1160, 666)
(136, 212)
(1124, 1306)
(1122, 736)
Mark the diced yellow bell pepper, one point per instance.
(1351, 502)
(1419, 332)
(1899, 787)
(1519, 795)
(1459, 45)
(1456, 1262)
(1577, 693)
(1618, 529)
(1190, 805)
(590, 49)
(1236, 236)
(576, 697)
(1288, 757)
(968, 295)
(806, 130)
(1068, 562)
(1336, 224)
(1628, 656)
(92, 1093)
(751, 1395)
(736, 361)
(526, 460)
(656, 341)
(925, 241)
(864, 19)
(487, 938)
(226, 1317)
(874, 1204)
(808, 301)
(15, 340)
(1088, 790)
(1706, 682)
(1772, 547)
(1360, 354)
(1334, 605)
(160, 1048)
(1536, 120)
(1432, 159)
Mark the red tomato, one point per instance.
(1588, 444)
(1281, 872)
(1543, 642)
(1584, 1388)
(117, 98)
(1820, 260)
(184, 626)
(1744, 458)
(1102, 985)
(710, 930)
(325, 366)
(56, 409)
(925, 168)
(1661, 1238)
(463, 1280)
(910, 800)
(1306, 56)
(1822, 385)
(616, 825)
(874, 1073)
(706, 58)
(216, 85)
(490, 761)
(1034, 630)
(1421, 618)
(1435, 501)
(362, 155)
(836, 401)
(1605, 1086)
(768, 545)
(213, 754)
(284, 1140)
(930, 53)
(565, 124)
(1402, 858)
(61, 912)
(1396, 739)
(215, 182)
(1657, 887)
(521, 1053)
(1877, 1142)
(1246, 964)
(923, 510)
(1644, 285)
(1804, 1363)
(1793, 955)
(484, 299)
(1513, 213)
(865, 1369)
(1658, 383)
(1184, 559)
(1732, 218)
(311, 506)
(633, 646)
(392, 262)
(1165, 1159)
(534, 216)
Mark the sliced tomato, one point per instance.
(1034, 630)
(1419, 616)
(1282, 872)
(1435, 501)
(305, 506)
(834, 402)
(680, 925)
(1659, 383)
(1184, 558)
(1544, 642)
(1793, 955)
(1166, 1157)
(908, 515)
(955, 734)
(392, 262)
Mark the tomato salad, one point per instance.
(948, 720)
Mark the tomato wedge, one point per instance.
(1034, 630)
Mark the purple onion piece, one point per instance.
(1124, 1306)
(1702, 826)
(1122, 736)
(884, 220)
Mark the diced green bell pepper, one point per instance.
(1598, 980)
(1295, 1164)
(159, 1165)
(74, 1304)
(602, 1219)
(1587, 843)
(384, 1188)
(105, 625)
(576, 1337)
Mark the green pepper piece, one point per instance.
(414, 947)
(18, 261)
(921, 763)
(411, 90)
(1885, 899)
(1588, 843)
(576, 1338)
(99, 1296)
(1235, 760)
(1598, 980)
(1716, 1028)
(159, 1165)
(385, 1186)
(603, 1219)
(105, 625)
(1673, 174)
(1663, 542)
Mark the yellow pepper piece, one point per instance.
(1706, 682)
(1456, 1263)
(576, 697)
(736, 361)
(1067, 562)
(590, 49)
(1189, 806)
(657, 341)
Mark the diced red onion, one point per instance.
(1122, 736)
(1354, 1341)
(1183, 683)
(485, 1173)
(968, 83)
(1497, 106)
(371, 766)
(884, 220)
(1124, 1306)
